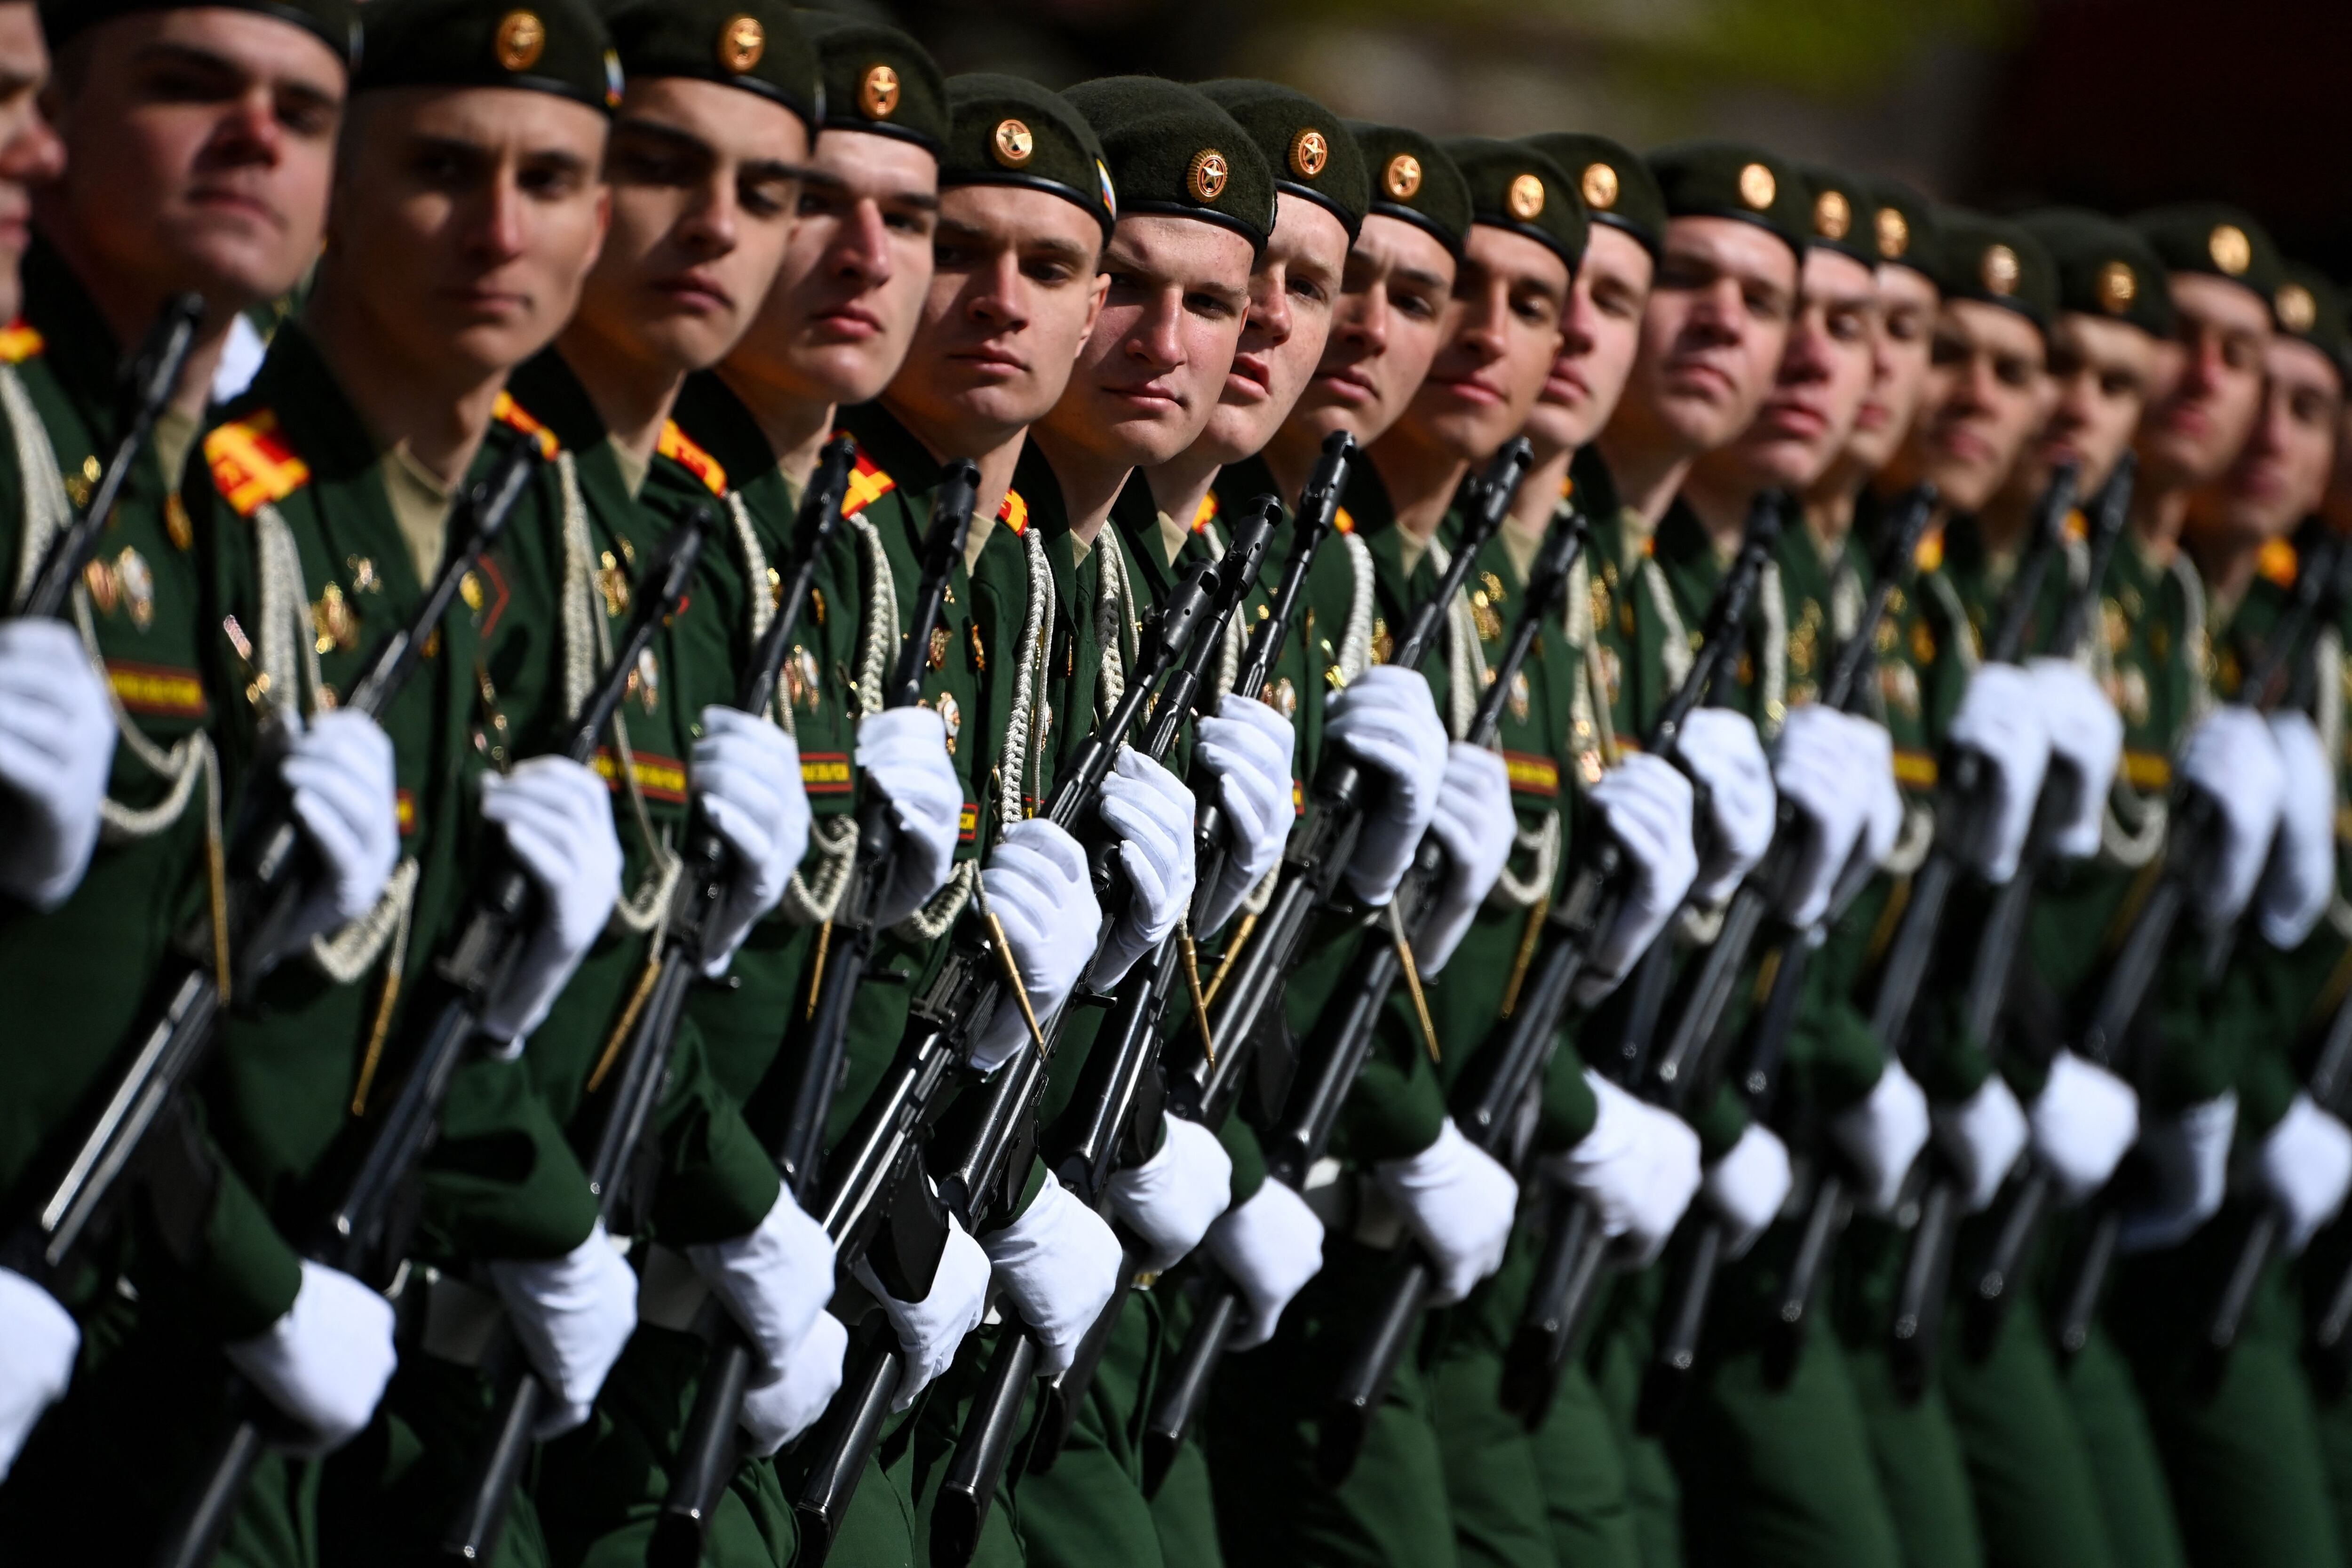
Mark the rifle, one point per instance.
(1586, 911)
(707, 876)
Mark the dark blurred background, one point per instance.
(2114, 103)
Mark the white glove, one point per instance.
(1387, 721)
(747, 779)
(1459, 1204)
(558, 820)
(1476, 824)
(1059, 1263)
(1270, 1247)
(783, 1404)
(2300, 875)
(930, 1330)
(2232, 759)
(326, 1360)
(1173, 1198)
(1981, 1136)
(1644, 803)
(57, 743)
(2306, 1162)
(2085, 1121)
(1719, 749)
(2000, 721)
(340, 772)
(2189, 1157)
(1038, 890)
(903, 752)
(1820, 765)
(1638, 1166)
(1748, 1186)
(1248, 747)
(1883, 1135)
(774, 1281)
(38, 1344)
(573, 1315)
(2086, 734)
(1151, 811)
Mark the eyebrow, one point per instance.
(825, 181)
(1427, 280)
(163, 49)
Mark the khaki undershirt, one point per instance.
(420, 506)
(633, 467)
(974, 539)
(175, 435)
(1522, 541)
(1410, 550)
(1172, 535)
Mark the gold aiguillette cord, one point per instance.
(1233, 950)
(1192, 982)
(1412, 981)
(1013, 975)
(1527, 954)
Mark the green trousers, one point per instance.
(915, 1455)
(1087, 1507)
(2317, 1276)
(1618, 1357)
(1184, 1505)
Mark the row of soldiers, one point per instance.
(1135, 825)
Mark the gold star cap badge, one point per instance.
(2118, 286)
(1206, 178)
(2231, 251)
(1600, 186)
(1757, 186)
(878, 95)
(1525, 199)
(1402, 179)
(2296, 308)
(1832, 215)
(1894, 233)
(1013, 144)
(521, 40)
(1310, 152)
(1999, 270)
(741, 42)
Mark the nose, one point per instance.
(864, 247)
(1270, 321)
(1156, 340)
(997, 298)
(713, 226)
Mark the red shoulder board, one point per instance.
(1207, 513)
(19, 342)
(2277, 563)
(680, 449)
(1015, 513)
(1342, 520)
(252, 464)
(514, 417)
(868, 484)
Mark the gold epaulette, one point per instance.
(252, 465)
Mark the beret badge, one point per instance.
(521, 40)
(1012, 143)
(1894, 233)
(1310, 151)
(1999, 270)
(1832, 215)
(1207, 176)
(1402, 179)
(878, 94)
(1525, 199)
(1757, 186)
(2296, 308)
(1600, 186)
(2231, 251)
(741, 42)
(2118, 287)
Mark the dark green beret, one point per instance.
(335, 23)
(2105, 269)
(2309, 306)
(1313, 156)
(1617, 187)
(2215, 239)
(1005, 131)
(1413, 180)
(559, 47)
(1516, 188)
(1997, 262)
(1172, 151)
(1736, 180)
(1843, 212)
(751, 44)
(876, 79)
(1907, 236)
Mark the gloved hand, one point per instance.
(1248, 748)
(1270, 1247)
(38, 1344)
(556, 816)
(1151, 811)
(773, 1280)
(2188, 1157)
(1459, 1204)
(1719, 749)
(1059, 1266)
(1820, 765)
(1638, 1166)
(573, 1315)
(2232, 759)
(2000, 719)
(2300, 878)
(782, 1405)
(2306, 1164)
(1748, 1186)
(930, 1330)
(326, 1358)
(2084, 1122)
(1173, 1198)
(2086, 735)
(903, 754)
(1644, 803)
(1478, 826)
(340, 773)
(1982, 1136)
(1883, 1135)
(747, 779)
(1387, 721)
(57, 744)
(1037, 887)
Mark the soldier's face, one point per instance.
(30, 152)
(1713, 332)
(2190, 435)
(465, 222)
(1898, 367)
(2102, 373)
(202, 148)
(2281, 472)
(1383, 334)
(1292, 292)
(844, 307)
(1987, 393)
(1014, 291)
(1502, 334)
(1600, 332)
(1824, 372)
(1154, 366)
